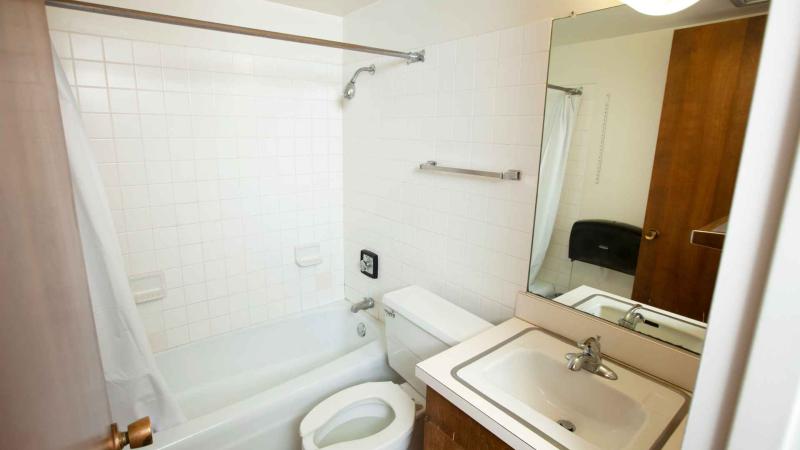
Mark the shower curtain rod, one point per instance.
(410, 57)
(570, 91)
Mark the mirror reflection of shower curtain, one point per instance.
(561, 112)
(135, 386)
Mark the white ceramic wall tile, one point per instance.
(88, 73)
(93, 100)
(123, 101)
(120, 76)
(148, 78)
(476, 102)
(213, 175)
(118, 50)
(86, 47)
(146, 53)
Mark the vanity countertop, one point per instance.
(436, 373)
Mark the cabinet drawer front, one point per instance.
(458, 427)
(436, 439)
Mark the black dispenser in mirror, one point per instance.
(605, 243)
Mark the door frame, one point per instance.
(765, 169)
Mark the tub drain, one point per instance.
(567, 425)
(361, 329)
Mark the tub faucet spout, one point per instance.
(367, 303)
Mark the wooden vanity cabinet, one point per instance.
(449, 428)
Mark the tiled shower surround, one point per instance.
(477, 103)
(216, 165)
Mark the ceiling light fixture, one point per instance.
(659, 7)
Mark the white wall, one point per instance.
(476, 102)
(609, 168)
(757, 422)
(220, 153)
(224, 233)
(407, 24)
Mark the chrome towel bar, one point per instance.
(507, 175)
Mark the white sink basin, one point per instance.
(527, 377)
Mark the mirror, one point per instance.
(643, 129)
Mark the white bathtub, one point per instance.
(250, 389)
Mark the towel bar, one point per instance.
(506, 175)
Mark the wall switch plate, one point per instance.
(369, 264)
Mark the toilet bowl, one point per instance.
(381, 415)
(368, 416)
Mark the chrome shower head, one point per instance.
(350, 88)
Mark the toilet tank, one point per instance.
(420, 324)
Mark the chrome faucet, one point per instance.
(590, 359)
(632, 318)
(367, 303)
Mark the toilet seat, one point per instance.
(387, 392)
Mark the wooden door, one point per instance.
(52, 392)
(710, 80)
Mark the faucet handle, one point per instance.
(587, 340)
(593, 341)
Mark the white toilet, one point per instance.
(380, 416)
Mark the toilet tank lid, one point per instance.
(437, 316)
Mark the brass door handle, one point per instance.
(139, 434)
(651, 234)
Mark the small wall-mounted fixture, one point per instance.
(369, 263)
(307, 255)
(147, 287)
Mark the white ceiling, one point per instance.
(335, 7)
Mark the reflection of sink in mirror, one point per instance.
(660, 324)
(527, 377)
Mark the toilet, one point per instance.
(381, 415)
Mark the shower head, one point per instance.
(350, 89)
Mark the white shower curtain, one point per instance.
(135, 386)
(559, 121)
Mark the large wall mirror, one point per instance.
(643, 130)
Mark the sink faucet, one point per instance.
(367, 303)
(632, 318)
(590, 359)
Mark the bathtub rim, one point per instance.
(332, 306)
(191, 429)
(241, 408)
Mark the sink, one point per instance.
(527, 378)
(683, 332)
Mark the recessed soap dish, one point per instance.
(148, 287)
(307, 255)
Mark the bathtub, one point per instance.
(250, 389)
